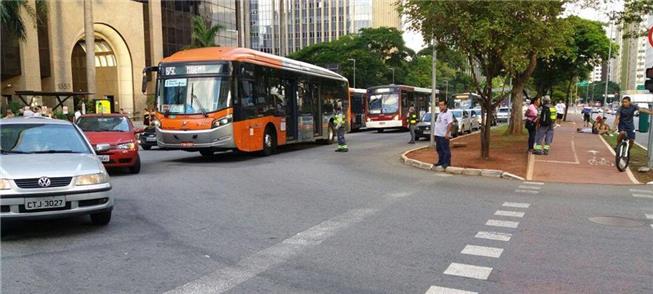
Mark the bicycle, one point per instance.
(622, 156)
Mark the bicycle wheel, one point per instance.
(622, 158)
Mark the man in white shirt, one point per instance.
(560, 109)
(442, 133)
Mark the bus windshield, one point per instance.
(384, 103)
(193, 95)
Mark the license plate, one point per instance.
(382, 123)
(45, 202)
(187, 144)
(150, 139)
(103, 158)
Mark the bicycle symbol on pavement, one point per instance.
(596, 161)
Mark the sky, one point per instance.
(414, 39)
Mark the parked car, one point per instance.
(478, 112)
(119, 133)
(465, 121)
(49, 169)
(147, 139)
(423, 128)
(503, 114)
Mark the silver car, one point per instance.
(49, 169)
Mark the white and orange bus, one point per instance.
(388, 105)
(214, 99)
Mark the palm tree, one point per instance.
(203, 33)
(11, 19)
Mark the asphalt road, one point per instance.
(309, 220)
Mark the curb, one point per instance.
(454, 170)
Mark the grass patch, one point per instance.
(638, 158)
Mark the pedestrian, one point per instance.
(339, 122)
(587, 115)
(531, 122)
(146, 117)
(27, 112)
(412, 119)
(545, 126)
(560, 109)
(9, 113)
(78, 114)
(442, 133)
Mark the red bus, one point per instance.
(357, 108)
(388, 105)
(214, 99)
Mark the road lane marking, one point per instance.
(649, 216)
(517, 204)
(443, 290)
(229, 277)
(503, 224)
(529, 187)
(527, 191)
(641, 191)
(468, 271)
(494, 236)
(509, 213)
(643, 196)
(533, 183)
(482, 251)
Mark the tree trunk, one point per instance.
(516, 125)
(485, 131)
(564, 117)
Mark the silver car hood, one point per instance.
(19, 166)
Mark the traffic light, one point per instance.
(649, 79)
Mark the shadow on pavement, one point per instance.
(233, 156)
(28, 229)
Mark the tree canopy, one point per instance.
(203, 34)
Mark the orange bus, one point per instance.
(215, 99)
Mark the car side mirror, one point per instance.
(102, 147)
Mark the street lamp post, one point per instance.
(393, 75)
(607, 71)
(354, 60)
(446, 88)
(434, 60)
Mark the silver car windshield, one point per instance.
(41, 138)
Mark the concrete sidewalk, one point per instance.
(577, 158)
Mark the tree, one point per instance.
(11, 19)
(376, 50)
(504, 39)
(203, 34)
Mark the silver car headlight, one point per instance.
(4, 184)
(92, 179)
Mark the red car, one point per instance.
(114, 138)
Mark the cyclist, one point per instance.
(623, 121)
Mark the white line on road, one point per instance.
(527, 191)
(227, 278)
(516, 204)
(468, 271)
(529, 187)
(641, 191)
(643, 196)
(494, 236)
(509, 213)
(482, 251)
(443, 290)
(503, 224)
(649, 216)
(533, 183)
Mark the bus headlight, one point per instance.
(369, 119)
(155, 123)
(396, 117)
(222, 121)
(91, 179)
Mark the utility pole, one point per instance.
(393, 75)
(354, 60)
(446, 89)
(434, 60)
(89, 39)
(607, 71)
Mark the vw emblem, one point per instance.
(44, 182)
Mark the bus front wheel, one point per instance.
(269, 142)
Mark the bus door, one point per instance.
(317, 109)
(291, 111)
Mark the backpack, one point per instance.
(545, 117)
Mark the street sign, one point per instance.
(582, 83)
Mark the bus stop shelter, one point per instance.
(61, 97)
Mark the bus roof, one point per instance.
(416, 89)
(252, 56)
(357, 90)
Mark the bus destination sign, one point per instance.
(193, 69)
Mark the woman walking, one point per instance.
(531, 122)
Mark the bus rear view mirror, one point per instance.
(145, 72)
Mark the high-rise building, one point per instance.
(633, 59)
(285, 26)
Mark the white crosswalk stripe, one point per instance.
(494, 236)
(641, 191)
(649, 215)
(468, 271)
(509, 213)
(643, 196)
(527, 191)
(534, 183)
(503, 224)
(482, 251)
(529, 187)
(443, 290)
(516, 204)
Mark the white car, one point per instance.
(503, 114)
(49, 169)
(466, 123)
